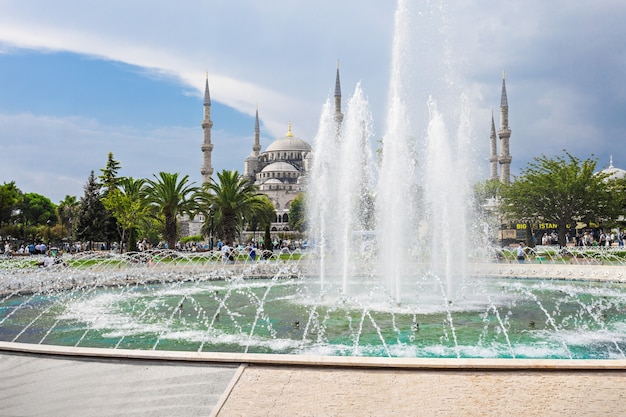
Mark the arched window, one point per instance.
(286, 218)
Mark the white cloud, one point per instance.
(65, 150)
(564, 60)
(261, 56)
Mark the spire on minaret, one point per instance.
(251, 164)
(207, 146)
(338, 113)
(207, 96)
(503, 100)
(505, 134)
(256, 148)
(337, 82)
(493, 158)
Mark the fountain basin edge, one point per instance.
(318, 361)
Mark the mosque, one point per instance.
(281, 171)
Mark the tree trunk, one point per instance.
(229, 228)
(562, 231)
(267, 239)
(170, 231)
(132, 240)
(530, 235)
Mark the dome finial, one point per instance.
(289, 134)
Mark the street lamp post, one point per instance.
(48, 223)
(211, 211)
(241, 230)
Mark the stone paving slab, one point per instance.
(32, 385)
(307, 391)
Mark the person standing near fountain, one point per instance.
(228, 254)
(521, 254)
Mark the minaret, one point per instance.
(256, 148)
(207, 146)
(251, 164)
(493, 159)
(505, 133)
(338, 113)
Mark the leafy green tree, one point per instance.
(128, 208)
(67, 211)
(38, 215)
(563, 190)
(91, 224)
(37, 209)
(168, 197)
(234, 198)
(297, 213)
(10, 196)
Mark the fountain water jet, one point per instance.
(423, 184)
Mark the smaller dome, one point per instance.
(272, 181)
(279, 167)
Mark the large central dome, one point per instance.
(289, 143)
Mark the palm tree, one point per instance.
(234, 198)
(67, 211)
(169, 198)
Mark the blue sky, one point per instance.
(81, 79)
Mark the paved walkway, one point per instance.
(36, 385)
(290, 391)
(32, 385)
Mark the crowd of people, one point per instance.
(591, 238)
(28, 249)
(252, 250)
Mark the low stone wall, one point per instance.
(552, 271)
